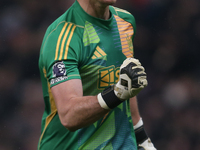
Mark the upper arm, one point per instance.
(64, 92)
(75, 110)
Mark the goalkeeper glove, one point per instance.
(146, 145)
(143, 141)
(132, 80)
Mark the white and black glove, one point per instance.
(146, 145)
(143, 141)
(132, 79)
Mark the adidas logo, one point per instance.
(99, 53)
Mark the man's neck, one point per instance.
(96, 9)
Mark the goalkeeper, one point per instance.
(90, 80)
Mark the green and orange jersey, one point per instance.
(79, 46)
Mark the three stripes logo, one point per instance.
(64, 40)
(99, 54)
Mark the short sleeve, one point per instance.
(60, 54)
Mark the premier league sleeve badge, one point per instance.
(59, 72)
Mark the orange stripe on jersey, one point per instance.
(68, 41)
(122, 27)
(101, 51)
(97, 54)
(63, 41)
(59, 40)
(126, 32)
(53, 109)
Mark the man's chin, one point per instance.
(108, 2)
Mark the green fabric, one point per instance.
(79, 46)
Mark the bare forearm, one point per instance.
(81, 112)
(134, 110)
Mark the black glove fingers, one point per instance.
(133, 71)
(135, 83)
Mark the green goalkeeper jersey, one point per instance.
(79, 46)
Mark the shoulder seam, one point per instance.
(115, 10)
(50, 34)
(120, 10)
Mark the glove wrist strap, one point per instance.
(140, 134)
(107, 99)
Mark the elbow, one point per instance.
(69, 125)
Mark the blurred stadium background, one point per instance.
(167, 43)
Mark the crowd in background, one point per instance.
(167, 43)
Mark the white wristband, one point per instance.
(139, 124)
(102, 102)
